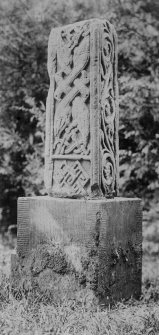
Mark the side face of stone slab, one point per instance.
(114, 226)
(81, 155)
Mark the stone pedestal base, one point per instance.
(113, 226)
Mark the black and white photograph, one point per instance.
(79, 167)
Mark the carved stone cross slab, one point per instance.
(81, 162)
(81, 152)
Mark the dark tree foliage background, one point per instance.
(24, 29)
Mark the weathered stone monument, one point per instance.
(82, 111)
(81, 162)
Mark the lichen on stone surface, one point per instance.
(54, 271)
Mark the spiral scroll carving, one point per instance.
(108, 111)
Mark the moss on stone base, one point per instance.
(52, 272)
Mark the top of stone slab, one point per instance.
(80, 23)
(48, 198)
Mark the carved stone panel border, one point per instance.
(95, 92)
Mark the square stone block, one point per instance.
(113, 225)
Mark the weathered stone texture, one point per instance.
(113, 228)
(81, 161)
(81, 156)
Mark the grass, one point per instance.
(77, 310)
(78, 317)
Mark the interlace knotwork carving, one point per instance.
(74, 177)
(82, 110)
(107, 111)
(72, 119)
